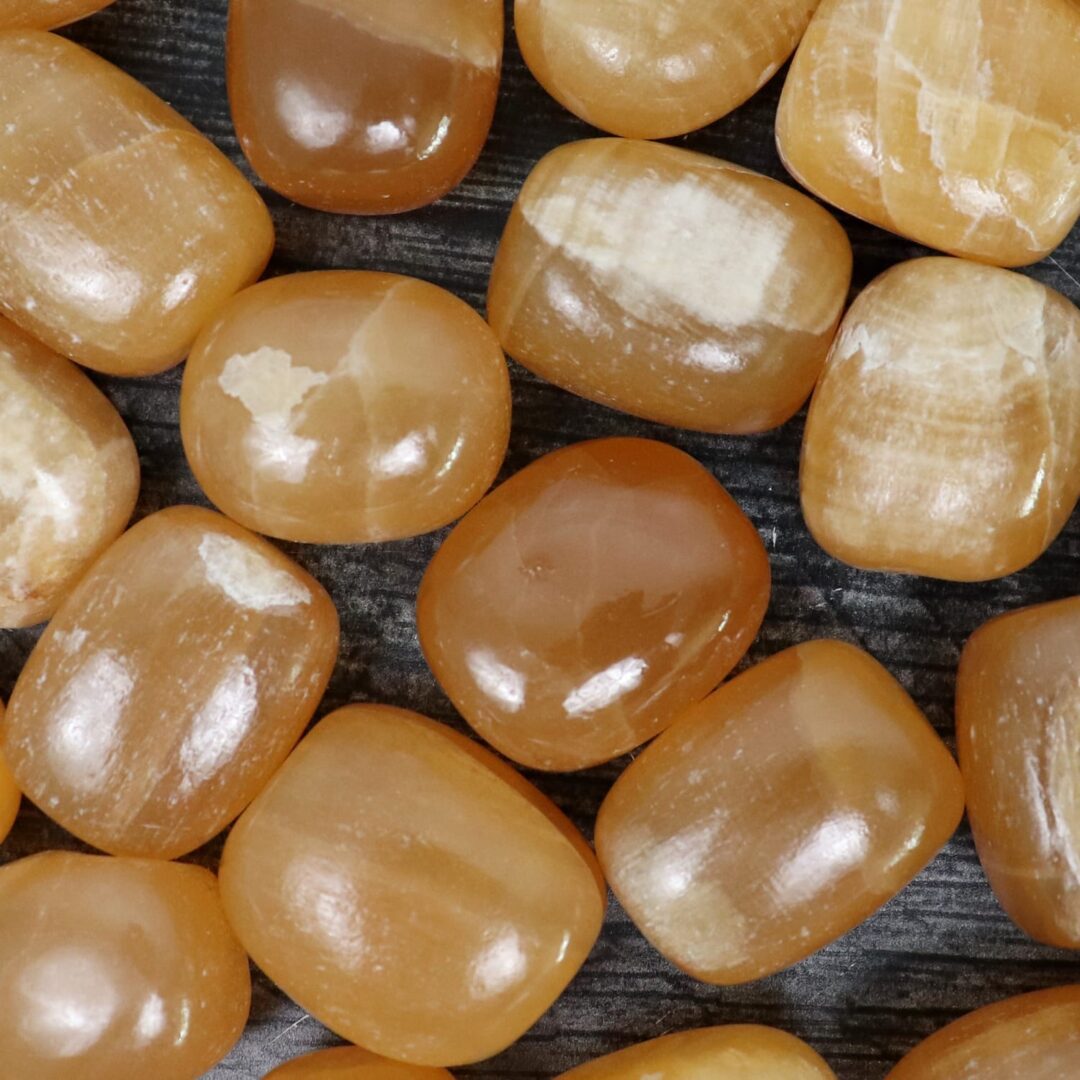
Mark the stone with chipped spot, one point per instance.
(46, 14)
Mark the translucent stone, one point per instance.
(942, 122)
(669, 284)
(10, 795)
(778, 814)
(343, 407)
(364, 108)
(352, 1063)
(124, 228)
(69, 477)
(115, 969)
(46, 14)
(649, 70)
(944, 436)
(409, 890)
(170, 685)
(589, 599)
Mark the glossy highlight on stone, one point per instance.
(651, 70)
(115, 969)
(345, 407)
(69, 477)
(944, 436)
(46, 14)
(352, 1063)
(410, 890)
(669, 284)
(170, 685)
(579, 607)
(10, 796)
(778, 814)
(124, 229)
(372, 107)
(956, 124)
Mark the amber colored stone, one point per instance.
(346, 406)
(410, 890)
(669, 284)
(69, 477)
(1030, 1037)
(589, 599)
(364, 108)
(778, 813)
(10, 796)
(352, 1063)
(46, 14)
(124, 229)
(944, 436)
(170, 685)
(652, 70)
(115, 969)
(955, 124)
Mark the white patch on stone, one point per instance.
(247, 577)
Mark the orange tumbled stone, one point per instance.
(170, 685)
(778, 813)
(46, 14)
(115, 969)
(669, 284)
(10, 796)
(1033, 1037)
(944, 436)
(352, 1063)
(69, 477)
(409, 890)
(346, 406)
(955, 124)
(589, 599)
(364, 108)
(124, 229)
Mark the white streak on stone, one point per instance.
(247, 577)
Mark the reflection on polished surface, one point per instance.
(46, 14)
(352, 1063)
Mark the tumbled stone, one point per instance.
(115, 969)
(69, 477)
(1033, 1036)
(778, 813)
(942, 121)
(346, 406)
(944, 436)
(409, 890)
(46, 14)
(371, 108)
(10, 796)
(352, 1063)
(170, 685)
(585, 602)
(669, 284)
(124, 229)
(649, 70)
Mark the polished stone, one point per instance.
(10, 796)
(46, 14)
(352, 1063)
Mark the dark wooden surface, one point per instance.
(940, 948)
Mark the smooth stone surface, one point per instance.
(46, 14)
(364, 108)
(669, 284)
(651, 70)
(170, 685)
(590, 598)
(409, 890)
(69, 477)
(124, 229)
(115, 969)
(10, 796)
(352, 1063)
(1017, 700)
(778, 814)
(942, 121)
(944, 436)
(345, 407)
(1033, 1036)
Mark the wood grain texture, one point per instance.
(943, 946)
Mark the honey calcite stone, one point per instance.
(352, 1063)
(115, 969)
(170, 685)
(652, 70)
(778, 813)
(1034, 1036)
(10, 796)
(944, 436)
(124, 229)
(345, 407)
(69, 477)
(409, 890)
(364, 106)
(669, 284)
(46, 14)
(941, 121)
(589, 599)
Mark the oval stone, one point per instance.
(46, 14)
(345, 407)
(10, 796)
(352, 1063)
(589, 599)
